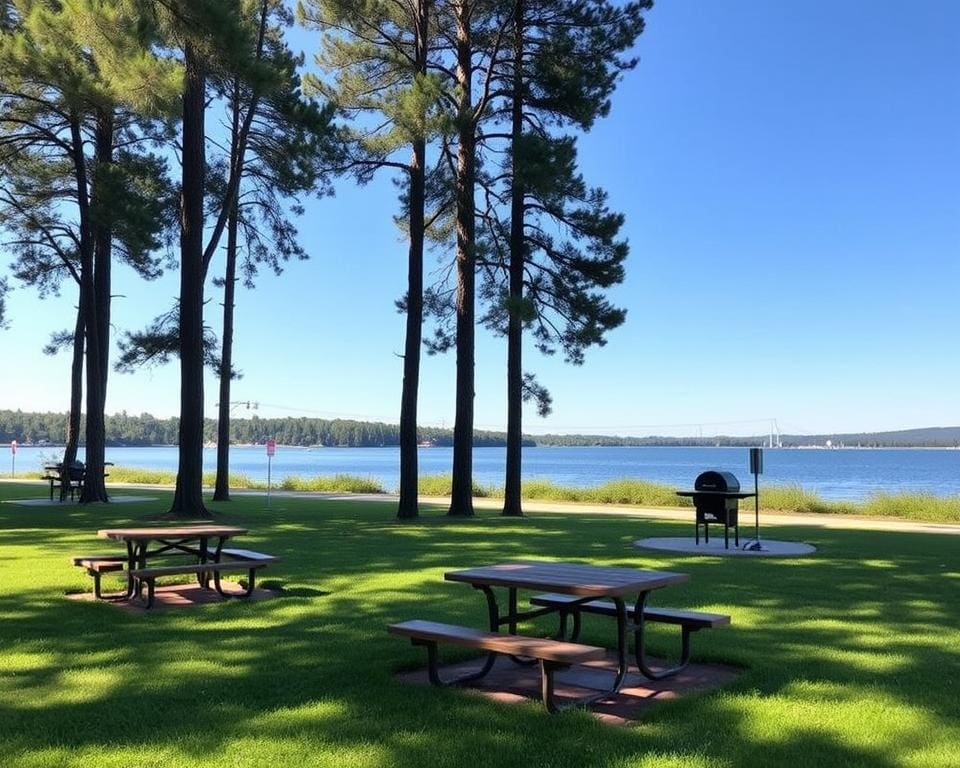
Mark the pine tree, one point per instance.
(560, 238)
(63, 83)
(543, 241)
(376, 57)
(477, 36)
(278, 140)
(210, 41)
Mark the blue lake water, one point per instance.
(835, 474)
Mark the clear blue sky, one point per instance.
(790, 173)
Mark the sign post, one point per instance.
(271, 450)
(13, 458)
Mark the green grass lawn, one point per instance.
(850, 657)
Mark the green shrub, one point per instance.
(773, 498)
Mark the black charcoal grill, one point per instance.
(716, 497)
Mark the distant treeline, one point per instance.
(124, 429)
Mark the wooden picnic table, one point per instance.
(584, 582)
(192, 540)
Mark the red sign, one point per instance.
(13, 447)
(271, 447)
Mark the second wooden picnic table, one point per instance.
(584, 583)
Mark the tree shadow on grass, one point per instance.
(308, 678)
(206, 683)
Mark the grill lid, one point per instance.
(717, 482)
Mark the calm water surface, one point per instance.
(835, 474)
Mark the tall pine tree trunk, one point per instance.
(409, 475)
(221, 491)
(188, 497)
(94, 488)
(88, 304)
(76, 397)
(461, 501)
(512, 504)
(103, 250)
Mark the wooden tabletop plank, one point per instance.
(170, 532)
(568, 578)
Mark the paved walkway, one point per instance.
(766, 518)
(656, 513)
(849, 522)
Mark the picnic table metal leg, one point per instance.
(433, 666)
(622, 663)
(433, 660)
(549, 668)
(512, 626)
(566, 614)
(251, 583)
(140, 554)
(217, 553)
(203, 577)
(131, 565)
(640, 649)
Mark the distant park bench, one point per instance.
(69, 480)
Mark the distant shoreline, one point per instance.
(135, 431)
(211, 446)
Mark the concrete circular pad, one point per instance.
(55, 502)
(771, 548)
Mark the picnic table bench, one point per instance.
(553, 655)
(97, 565)
(148, 576)
(689, 622)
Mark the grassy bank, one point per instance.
(339, 483)
(773, 498)
(847, 658)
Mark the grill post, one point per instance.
(756, 468)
